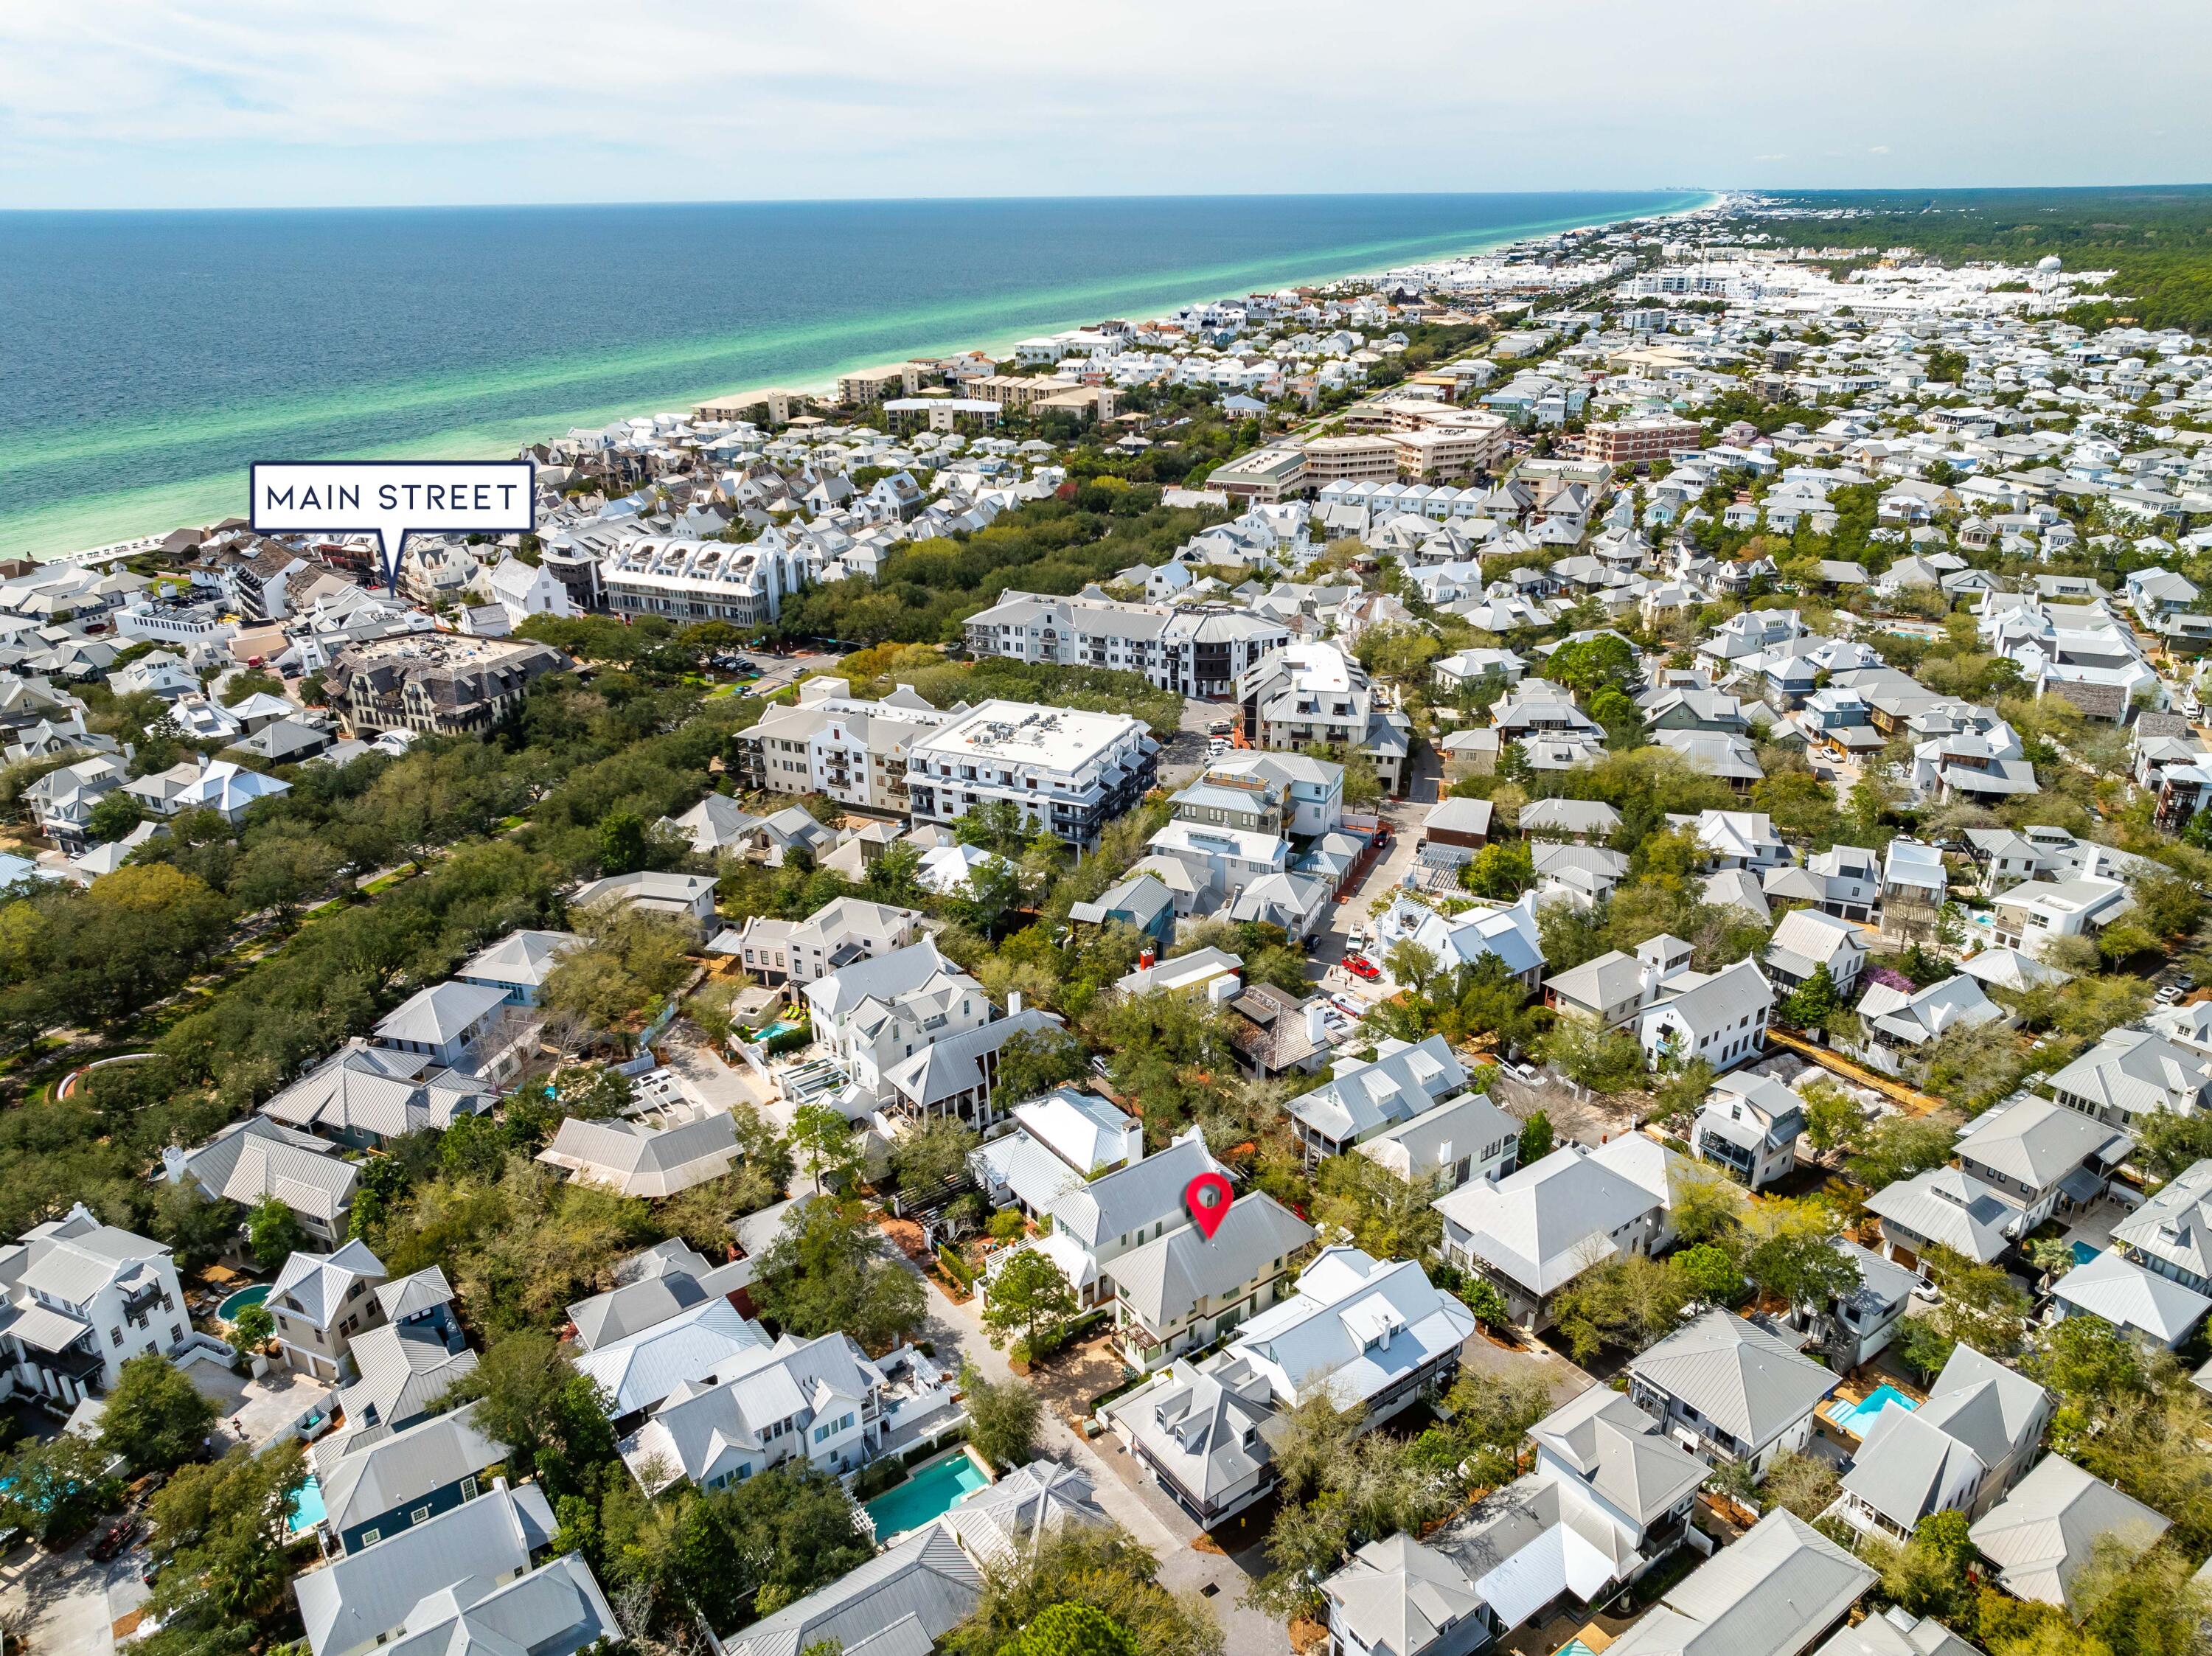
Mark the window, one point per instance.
(370, 1538)
(469, 1486)
(115, 1336)
(418, 1515)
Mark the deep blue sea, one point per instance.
(146, 358)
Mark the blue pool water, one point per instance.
(936, 1489)
(229, 1308)
(2083, 1253)
(306, 1509)
(1858, 1420)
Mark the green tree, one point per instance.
(1807, 1005)
(1535, 1139)
(1710, 1274)
(829, 1269)
(553, 1419)
(622, 846)
(824, 1144)
(221, 1526)
(938, 1150)
(1104, 1567)
(113, 816)
(1073, 1629)
(1832, 1117)
(55, 1490)
(1030, 1293)
(156, 1419)
(253, 1328)
(274, 1232)
(1901, 1147)
(1003, 1416)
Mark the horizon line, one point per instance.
(1116, 195)
(895, 201)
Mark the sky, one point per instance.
(250, 103)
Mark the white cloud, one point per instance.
(137, 102)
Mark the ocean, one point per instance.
(149, 357)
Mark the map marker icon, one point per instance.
(1207, 1197)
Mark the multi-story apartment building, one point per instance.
(1349, 459)
(1306, 695)
(866, 387)
(854, 751)
(1459, 450)
(1638, 442)
(1194, 649)
(1068, 773)
(82, 1299)
(689, 580)
(434, 683)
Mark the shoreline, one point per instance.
(188, 503)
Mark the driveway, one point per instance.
(724, 1085)
(67, 1604)
(1128, 1499)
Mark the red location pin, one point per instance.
(1207, 1197)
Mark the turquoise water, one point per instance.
(936, 1489)
(1859, 1420)
(306, 1509)
(149, 357)
(228, 1310)
(2083, 1253)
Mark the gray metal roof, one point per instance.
(1738, 1376)
(1399, 1596)
(1772, 1594)
(2041, 1534)
(353, 1600)
(362, 1477)
(926, 1576)
(1166, 1278)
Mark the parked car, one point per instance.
(1360, 967)
(114, 1538)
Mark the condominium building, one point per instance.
(689, 580)
(1068, 773)
(1198, 649)
(1637, 442)
(1453, 451)
(434, 683)
(1308, 694)
(866, 387)
(854, 751)
(1349, 459)
(1265, 475)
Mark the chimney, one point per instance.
(1145, 957)
(1316, 1021)
(172, 1163)
(1013, 1002)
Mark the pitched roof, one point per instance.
(1772, 1594)
(1548, 1223)
(1621, 1451)
(2041, 1534)
(318, 1283)
(925, 1576)
(1166, 1278)
(355, 1600)
(634, 1158)
(363, 1476)
(1398, 1596)
(1750, 1384)
(2128, 1297)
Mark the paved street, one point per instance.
(66, 1603)
(1147, 1514)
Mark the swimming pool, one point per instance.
(2083, 1253)
(306, 1509)
(935, 1490)
(1858, 1419)
(229, 1308)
